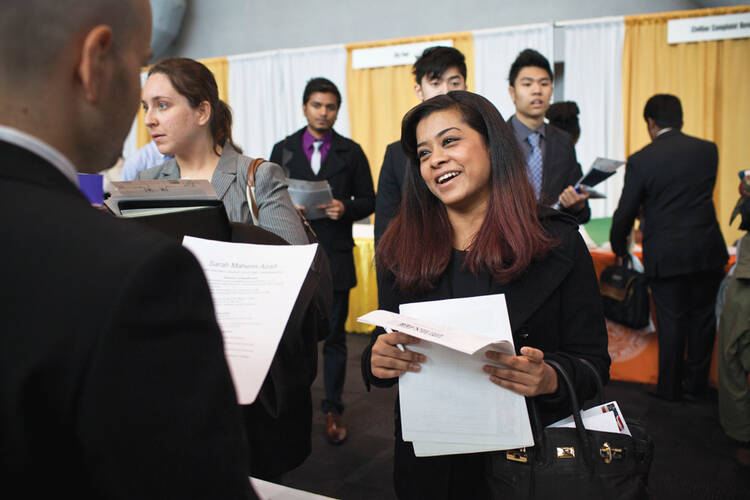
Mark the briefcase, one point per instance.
(625, 295)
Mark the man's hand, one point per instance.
(301, 209)
(334, 210)
(572, 199)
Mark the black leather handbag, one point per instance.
(625, 295)
(573, 463)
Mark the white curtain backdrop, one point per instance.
(265, 93)
(494, 52)
(593, 79)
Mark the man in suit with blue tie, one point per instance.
(550, 155)
(316, 152)
(113, 381)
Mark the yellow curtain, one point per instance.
(710, 78)
(378, 98)
(219, 66)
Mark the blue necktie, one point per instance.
(534, 163)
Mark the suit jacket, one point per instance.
(554, 306)
(560, 169)
(113, 381)
(673, 180)
(279, 422)
(276, 212)
(390, 185)
(346, 169)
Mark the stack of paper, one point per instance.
(451, 406)
(310, 194)
(151, 197)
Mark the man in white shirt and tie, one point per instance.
(314, 153)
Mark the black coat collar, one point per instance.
(527, 293)
(294, 158)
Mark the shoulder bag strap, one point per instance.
(250, 188)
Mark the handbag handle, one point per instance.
(598, 380)
(575, 408)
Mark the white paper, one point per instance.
(310, 194)
(266, 490)
(435, 448)
(254, 288)
(605, 418)
(450, 406)
(459, 339)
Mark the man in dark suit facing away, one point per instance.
(113, 382)
(549, 152)
(316, 152)
(672, 181)
(437, 71)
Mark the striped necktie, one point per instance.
(534, 163)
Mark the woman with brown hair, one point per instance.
(186, 119)
(469, 225)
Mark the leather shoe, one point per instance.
(335, 429)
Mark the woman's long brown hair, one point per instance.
(416, 246)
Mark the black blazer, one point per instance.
(390, 185)
(346, 169)
(560, 169)
(113, 381)
(673, 179)
(554, 306)
(279, 423)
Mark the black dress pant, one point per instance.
(334, 355)
(685, 314)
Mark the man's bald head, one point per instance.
(34, 33)
(69, 73)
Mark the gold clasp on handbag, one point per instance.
(566, 452)
(517, 455)
(608, 453)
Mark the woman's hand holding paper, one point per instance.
(390, 360)
(526, 374)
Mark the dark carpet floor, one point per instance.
(692, 459)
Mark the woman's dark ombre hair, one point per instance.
(416, 247)
(195, 81)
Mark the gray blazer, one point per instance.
(276, 212)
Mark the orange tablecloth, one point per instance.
(635, 353)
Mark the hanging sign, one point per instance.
(701, 29)
(393, 55)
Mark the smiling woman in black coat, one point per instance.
(469, 225)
